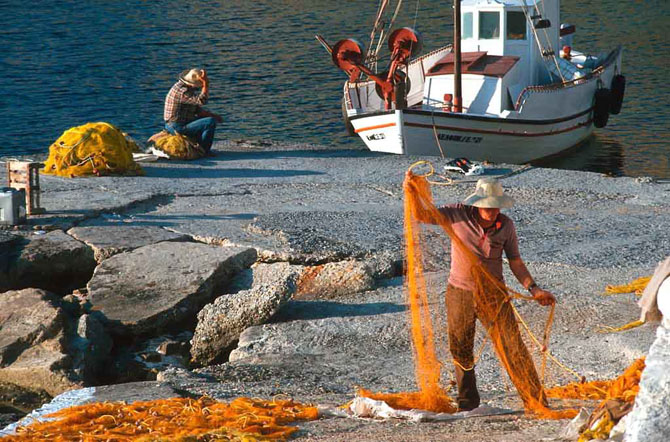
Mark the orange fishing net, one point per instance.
(174, 419)
(625, 387)
(494, 310)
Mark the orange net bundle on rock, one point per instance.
(175, 419)
(494, 310)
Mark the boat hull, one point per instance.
(425, 133)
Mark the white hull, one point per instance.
(545, 122)
(411, 132)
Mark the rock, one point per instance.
(45, 366)
(110, 240)
(92, 348)
(27, 317)
(220, 323)
(54, 261)
(155, 286)
(335, 279)
(650, 418)
(145, 358)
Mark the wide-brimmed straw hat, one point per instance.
(489, 194)
(191, 77)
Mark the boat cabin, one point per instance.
(501, 43)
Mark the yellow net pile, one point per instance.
(175, 419)
(636, 286)
(494, 310)
(92, 149)
(177, 146)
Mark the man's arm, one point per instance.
(543, 297)
(202, 112)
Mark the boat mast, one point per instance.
(457, 57)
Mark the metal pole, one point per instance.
(458, 107)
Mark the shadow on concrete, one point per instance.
(198, 172)
(295, 310)
(277, 154)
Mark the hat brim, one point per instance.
(187, 82)
(489, 202)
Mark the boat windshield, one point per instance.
(489, 25)
(516, 25)
(467, 25)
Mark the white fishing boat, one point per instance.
(510, 89)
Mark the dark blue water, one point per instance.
(66, 63)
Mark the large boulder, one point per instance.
(145, 291)
(33, 343)
(110, 240)
(335, 279)
(221, 323)
(53, 261)
(650, 418)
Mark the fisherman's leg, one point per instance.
(173, 128)
(202, 130)
(461, 321)
(510, 347)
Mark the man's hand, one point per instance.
(543, 297)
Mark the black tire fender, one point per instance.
(601, 107)
(618, 88)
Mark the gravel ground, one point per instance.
(305, 204)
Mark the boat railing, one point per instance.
(594, 74)
(417, 69)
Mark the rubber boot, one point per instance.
(468, 396)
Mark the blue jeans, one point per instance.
(202, 130)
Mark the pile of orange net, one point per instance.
(174, 419)
(625, 387)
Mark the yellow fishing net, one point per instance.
(92, 149)
(175, 419)
(636, 286)
(177, 146)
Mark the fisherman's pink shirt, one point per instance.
(487, 245)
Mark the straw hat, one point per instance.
(489, 194)
(191, 77)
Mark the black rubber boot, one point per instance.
(468, 396)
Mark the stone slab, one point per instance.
(109, 239)
(53, 261)
(155, 286)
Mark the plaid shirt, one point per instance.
(182, 103)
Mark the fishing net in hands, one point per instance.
(494, 310)
(93, 149)
(175, 419)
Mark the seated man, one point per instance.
(184, 114)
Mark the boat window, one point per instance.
(489, 25)
(516, 25)
(467, 25)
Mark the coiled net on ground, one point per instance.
(92, 149)
(175, 419)
(495, 311)
(177, 147)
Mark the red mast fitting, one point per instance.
(403, 44)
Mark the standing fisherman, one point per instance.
(486, 233)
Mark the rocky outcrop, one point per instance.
(650, 418)
(33, 342)
(335, 279)
(144, 291)
(91, 347)
(220, 323)
(109, 240)
(52, 261)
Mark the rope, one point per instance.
(537, 39)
